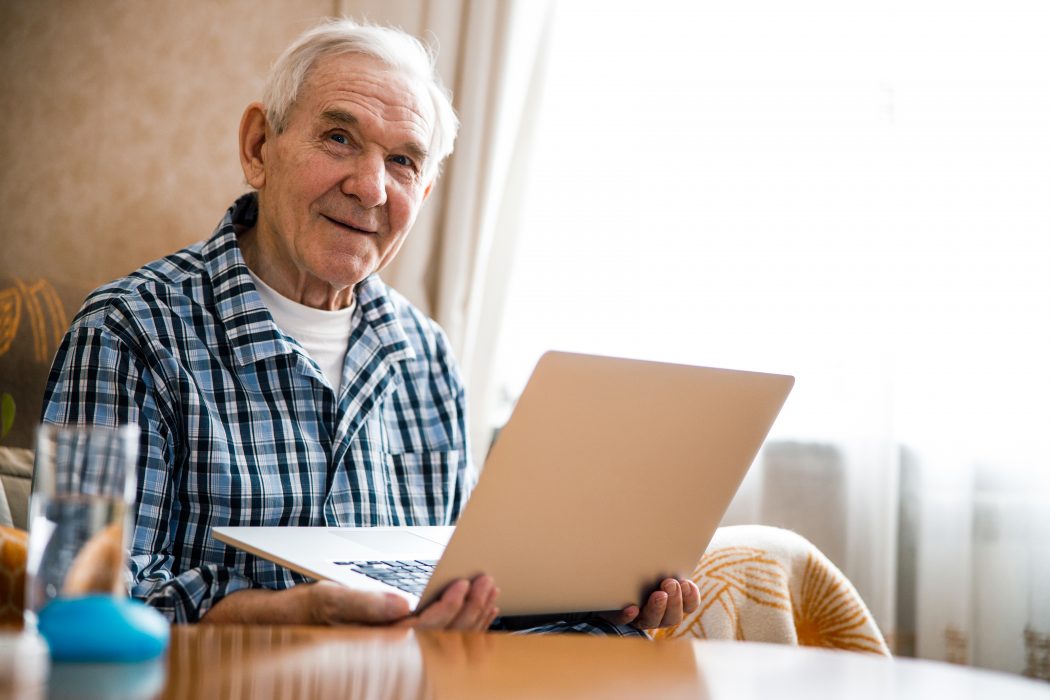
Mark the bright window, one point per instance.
(859, 197)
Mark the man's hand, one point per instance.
(464, 605)
(666, 607)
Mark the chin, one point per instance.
(347, 274)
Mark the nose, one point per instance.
(367, 180)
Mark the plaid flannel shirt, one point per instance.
(239, 426)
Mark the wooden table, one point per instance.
(298, 662)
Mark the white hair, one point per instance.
(393, 47)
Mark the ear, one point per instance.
(426, 192)
(252, 144)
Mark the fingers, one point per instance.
(690, 596)
(440, 613)
(493, 611)
(487, 611)
(622, 617)
(478, 605)
(464, 606)
(669, 605)
(666, 607)
(652, 613)
(673, 611)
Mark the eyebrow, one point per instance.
(343, 118)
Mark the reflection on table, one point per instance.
(244, 662)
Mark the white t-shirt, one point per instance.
(324, 334)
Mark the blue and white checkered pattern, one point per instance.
(239, 426)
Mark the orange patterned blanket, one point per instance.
(764, 584)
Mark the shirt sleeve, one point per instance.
(98, 379)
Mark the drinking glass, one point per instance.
(83, 487)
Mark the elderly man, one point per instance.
(276, 379)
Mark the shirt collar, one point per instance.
(249, 325)
(380, 315)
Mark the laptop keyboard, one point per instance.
(409, 576)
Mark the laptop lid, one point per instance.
(610, 475)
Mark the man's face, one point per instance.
(342, 184)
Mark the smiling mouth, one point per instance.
(348, 227)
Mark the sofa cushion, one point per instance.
(764, 584)
(16, 473)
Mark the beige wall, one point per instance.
(118, 146)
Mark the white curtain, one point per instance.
(855, 196)
(490, 53)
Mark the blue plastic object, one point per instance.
(103, 628)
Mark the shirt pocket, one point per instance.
(426, 487)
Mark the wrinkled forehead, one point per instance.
(366, 83)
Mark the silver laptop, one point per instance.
(610, 475)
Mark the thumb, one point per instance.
(378, 608)
(621, 617)
(366, 607)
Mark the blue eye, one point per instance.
(403, 160)
(340, 138)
